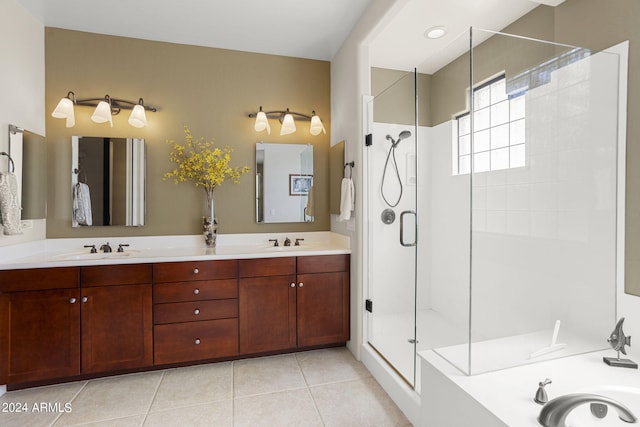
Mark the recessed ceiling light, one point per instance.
(436, 32)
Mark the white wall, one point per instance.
(21, 86)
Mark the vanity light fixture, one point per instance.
(105, 109)
(287, 119)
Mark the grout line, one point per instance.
(155, 394)
(55, 420)
(315, 405)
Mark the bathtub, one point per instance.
(505, 397)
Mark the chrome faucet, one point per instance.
(554, 413)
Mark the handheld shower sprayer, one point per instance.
(392, 151)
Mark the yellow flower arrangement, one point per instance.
(203, 163)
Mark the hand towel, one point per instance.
(347, 199)
(9, 205)
(81, 205)
(309, 209)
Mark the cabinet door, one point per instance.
(267, 313)
(323, 308)
(43, 335)
(116, 327)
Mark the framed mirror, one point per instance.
(284, 182)
(108, 181)
(29, 155)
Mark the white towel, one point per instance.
(347, 199)
(9, 205)
(81, 205)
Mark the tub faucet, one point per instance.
(554, 413)
(105, 248)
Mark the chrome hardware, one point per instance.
(121, 247)
(197, 341)
(196, 311)
(415, 233)
(293, 285)
(287, 242)
(388, 216)
(554, 413)
(196, 271)
(72, 300)
(196, 291)
(84, 299)
(297, 243)
(275, 242)
(541, 395)
(300, 284)
(106, 248)
(93, 248)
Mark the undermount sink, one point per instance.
(83, 255)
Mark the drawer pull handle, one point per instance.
(197, 341)
(196, 291)
(72, 300)
(300, 284)
(84, 299)
(196, 271)
(293, 285)
(196, 311)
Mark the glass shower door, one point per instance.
(391, 204)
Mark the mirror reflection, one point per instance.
(284, 182)
(28, 153)
(108, 181)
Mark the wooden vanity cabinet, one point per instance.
(287, 303)
(39, 324)
(195, 311)
(116, 317)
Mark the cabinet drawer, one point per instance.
(267, 267)
(39, 279)
(121, 274)
(194, 270)
(182, 342)
(323, 264)
(195, 310)
(195, 291)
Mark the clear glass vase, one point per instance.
(209, 223)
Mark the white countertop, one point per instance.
(147, 249)
(509, 393)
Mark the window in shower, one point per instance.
(499, 130)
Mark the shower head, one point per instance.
(403, 135)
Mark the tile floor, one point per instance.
(315, 388)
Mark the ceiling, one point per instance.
(312, 29)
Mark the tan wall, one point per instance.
(212, 91)
(395, 93)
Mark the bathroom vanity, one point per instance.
(98, 316)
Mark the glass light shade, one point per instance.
(316, 126)
(288, 125)
(102, 113)
(138, 118)
(64, 110)
(262, 123)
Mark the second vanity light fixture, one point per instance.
(105, 109)
(287, 119)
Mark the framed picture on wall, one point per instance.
(299, 185)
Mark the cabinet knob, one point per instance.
(196, 311)
(197, 341)
(196, 271)
(72, 300)
(196, 291)
(293, 285)
(300, 284)
(84, 299)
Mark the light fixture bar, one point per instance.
(286, 118)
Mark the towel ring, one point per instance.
(13, 165)
(351, 164)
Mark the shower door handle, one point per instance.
(415, 228)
